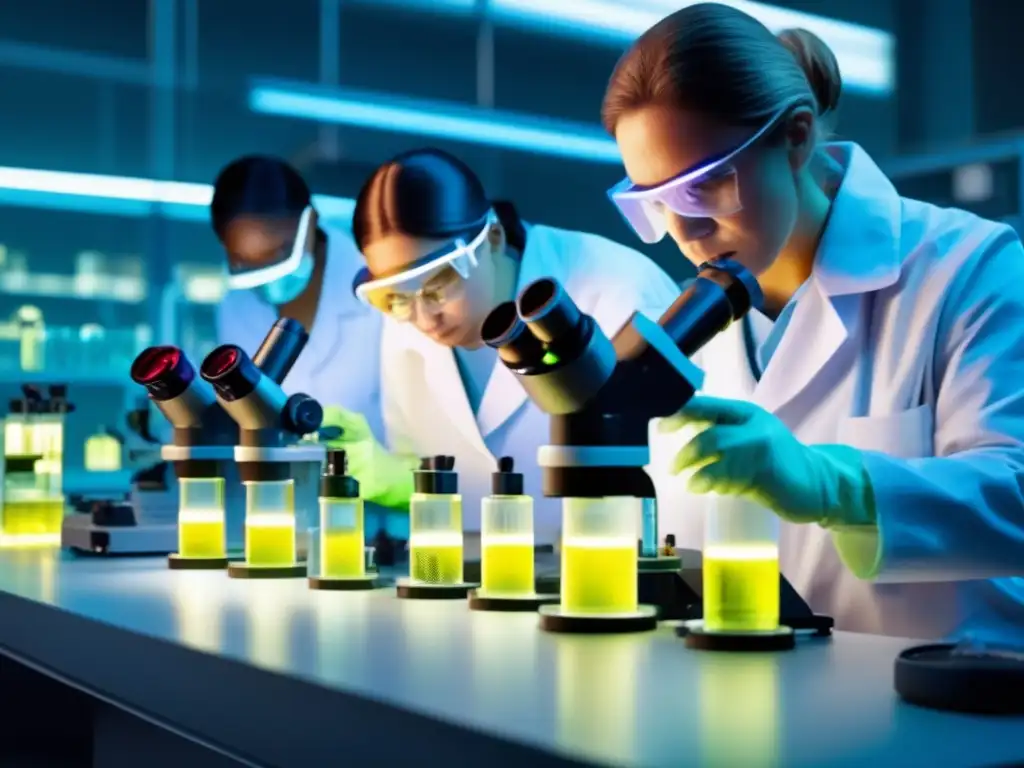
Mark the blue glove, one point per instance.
(745, 451)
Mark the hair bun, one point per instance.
(819, 65)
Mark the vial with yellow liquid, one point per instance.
(507, 546)
(740, 580)
(270, 532)
(202, 540)
(435, 533)
(599, 568)
(340, 538)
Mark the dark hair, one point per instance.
(256, 185)
(714, 59)
(428, 193)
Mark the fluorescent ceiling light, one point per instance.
(439, 120)
(125, 196)
(865, 54)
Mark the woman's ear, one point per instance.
(801, 137)
(496, 238)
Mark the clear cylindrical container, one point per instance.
(270, 523)
(342, 540)
(741, 567)
(435, 538)
(201, 517)
(599, 555)
(506, 539)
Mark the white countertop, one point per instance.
(637, 700)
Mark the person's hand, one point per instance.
(383, 478)
(743, 450)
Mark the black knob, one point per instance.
(302, 414)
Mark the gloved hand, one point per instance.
(746, 451)
(384, 478)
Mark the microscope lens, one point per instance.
(164, 371)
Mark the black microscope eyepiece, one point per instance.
(505, 331)
(231, 372)
(164, 371)
(551, 315)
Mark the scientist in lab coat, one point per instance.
(284, 262)
(877, 403)
(439, 257)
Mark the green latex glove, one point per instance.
(745, 451)
(384, 478)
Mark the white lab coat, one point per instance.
(907, 343)
(426, 411)
(341, 362)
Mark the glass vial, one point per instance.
(270, 523)
(201, 517)
(599, 557)
(341, 536)
(435, 523)
(506, 535)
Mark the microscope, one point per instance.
(279, 469)
(601, 395)
(129, 512)
(201, 452)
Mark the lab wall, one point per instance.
(159, 90)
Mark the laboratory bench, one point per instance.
(269, 673)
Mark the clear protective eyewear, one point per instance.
(432, 280)
(242, 277)
(708, 191)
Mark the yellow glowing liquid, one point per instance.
(31, 517)
(507, 565)
(201, 533)
(741, 588)
(436, 559)
(599, 576)
(270, 541)
(342, 555)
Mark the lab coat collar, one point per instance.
(859, 253)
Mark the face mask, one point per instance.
(288, 287)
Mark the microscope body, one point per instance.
(602, 394)
(271, 426)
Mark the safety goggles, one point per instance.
(432, 280)
(242, 277)
(708, 191)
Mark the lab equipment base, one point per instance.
(525, 604)
(936, 677)
(346, 585)
(179, 563)
(246, 571)
(80, 534)
(411, 591)
(669, 563)
(698, 638)
(553, 618)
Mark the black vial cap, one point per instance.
(436, 475)
(336, 483)
(506, 482)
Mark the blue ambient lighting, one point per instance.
(125, 196)
(866, 55)
(435, 119)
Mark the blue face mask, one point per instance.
(288, 287)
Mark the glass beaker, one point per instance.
(342, 539)
(270, 523)
(201, 518)
(435, 538)
(599, 555)
(506, 539)
(741, 567)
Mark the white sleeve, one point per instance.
(960, 515)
